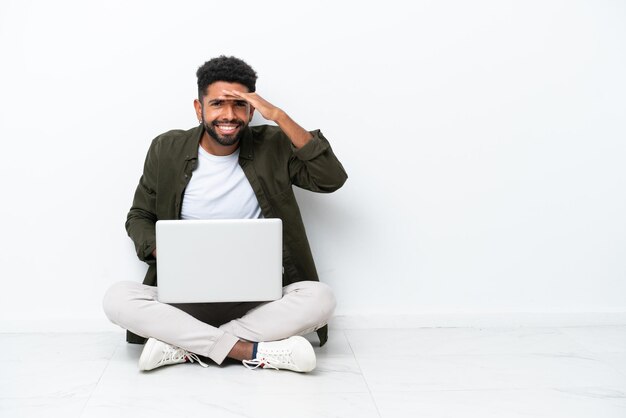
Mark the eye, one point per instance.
(241, 103)
(216, 103)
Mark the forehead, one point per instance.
(214, 90)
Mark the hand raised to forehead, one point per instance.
(267, 110)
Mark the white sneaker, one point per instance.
(294, 353)
(156, 354)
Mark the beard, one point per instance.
(225, 140)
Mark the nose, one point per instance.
(228, 111)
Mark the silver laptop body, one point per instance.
(225, 260)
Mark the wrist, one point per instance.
(281, 117)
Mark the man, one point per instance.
(226, 169)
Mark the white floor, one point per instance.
(440, 372)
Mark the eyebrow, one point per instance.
(226, 100)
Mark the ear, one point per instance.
(198, 106)
(252, 109)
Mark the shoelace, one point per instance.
(270, 359)
(178, 354)
(256, 363)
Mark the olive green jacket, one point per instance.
(271, 164)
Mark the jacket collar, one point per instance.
(246, 147)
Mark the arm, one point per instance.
(313, 165)
(141, 218)
(298, 135)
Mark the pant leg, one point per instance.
(304, 307)
(135, 307)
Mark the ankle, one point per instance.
(242, 350)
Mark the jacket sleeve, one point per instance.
(141, 219)
(315, 167)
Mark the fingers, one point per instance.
(237, 94)
(267, 110)
(232, 93)
(252, 98)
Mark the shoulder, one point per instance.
(269, 136)
(177, 135)
(177, 140)
(268, 132)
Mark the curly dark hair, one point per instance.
(223, 68)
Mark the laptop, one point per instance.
(219, 260)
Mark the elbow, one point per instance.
(341, 181)
(333, 184)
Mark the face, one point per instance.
(224, 117)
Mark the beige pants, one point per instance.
(304, 307)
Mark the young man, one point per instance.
(225, 169)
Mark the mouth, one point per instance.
(226, 128)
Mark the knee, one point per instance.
(323, 302)
(115, 298)
(319, 303)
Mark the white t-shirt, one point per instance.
(219, 189)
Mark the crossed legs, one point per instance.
(304, 307)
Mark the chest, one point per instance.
(219, 189)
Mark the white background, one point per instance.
(485, 143)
